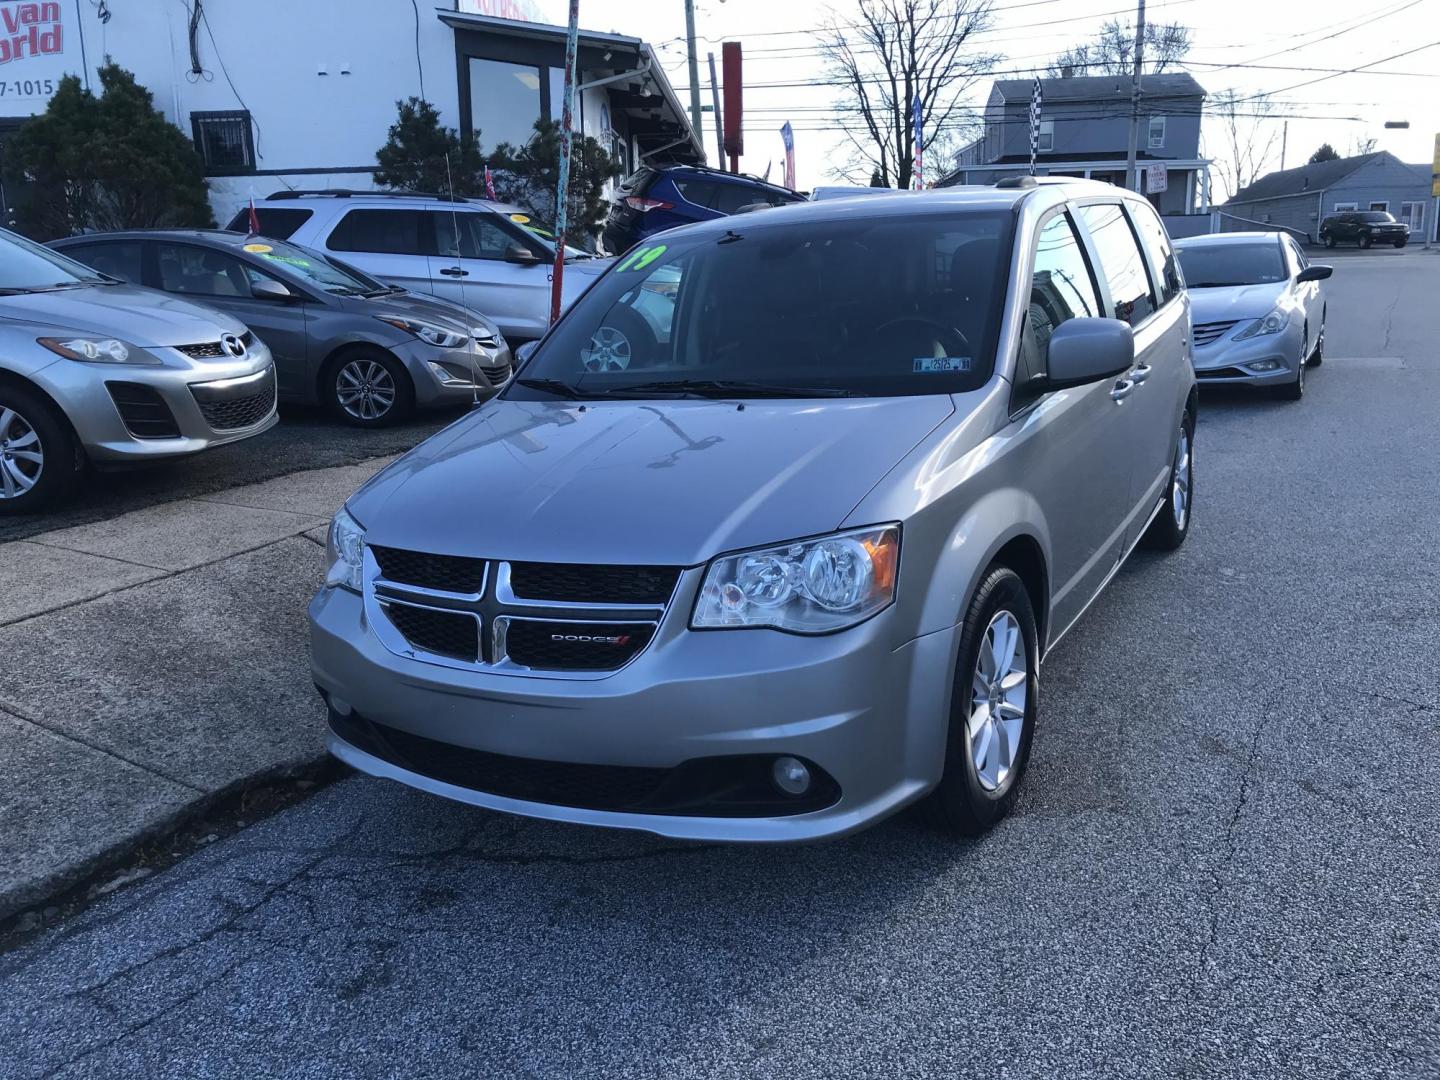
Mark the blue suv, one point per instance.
(653, 199)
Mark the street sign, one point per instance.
(1157, 178)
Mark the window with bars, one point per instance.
(225, 141)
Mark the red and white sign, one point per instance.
(518, 10)
(33, 58)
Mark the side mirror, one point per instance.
(271, 290)
(1087, 350)
(1315, 273)
(524, 352)
(519, 253)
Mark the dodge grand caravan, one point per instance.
(772, 532)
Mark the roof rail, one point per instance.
(347, 193)
(727, 172)
(1016, 182)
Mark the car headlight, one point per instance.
(98, 350)
(344, 553)
(1273, 323)
(440, 336)
(807, 587)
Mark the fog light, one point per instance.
(1265, 365)
(340, 705)
(791, 775)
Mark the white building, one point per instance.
(301, 93)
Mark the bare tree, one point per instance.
(894, 51)
(1240, 136)
(1361, 145)
(1112, 52)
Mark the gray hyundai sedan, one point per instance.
(371, 353)
(792, 559)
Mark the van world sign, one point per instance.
(30, 30)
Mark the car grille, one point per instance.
(497, 374)
(572, 583)
(532, 617)
(574, 646)
(211, 350)
(445, 573)
(1205, 333)
(226, 413)
(143, 410)
(1224, 373)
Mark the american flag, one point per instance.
(918, 116)
(1035, 97)
(787, 136)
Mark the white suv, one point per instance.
(487, 256)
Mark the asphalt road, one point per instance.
(1224, 863)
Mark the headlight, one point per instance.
(806, 587)
(97, 350)
(1273, 323)
(344, 553)
(439, 336)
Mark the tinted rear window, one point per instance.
(389, 232)
(636, 182)
(277, 222)
(1376, 217)
(1209, 266)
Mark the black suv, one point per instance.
(655, 198)
(1364, 227)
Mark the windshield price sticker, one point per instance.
(258, 249)
(942, 365)
(640, 258)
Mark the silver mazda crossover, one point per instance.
(92, 369)
(772, 532)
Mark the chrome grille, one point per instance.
(516, 618)
(1208, 332)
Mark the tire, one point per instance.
(1364, 240)
(30, 426)
(1171, 525)
(623, 341)
(1317, 354)
(1295, 389)
(1400, 243)
(367, 388)
(1328, 240)
(969, 800)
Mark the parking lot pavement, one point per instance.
(1224, 863)
(304, 439)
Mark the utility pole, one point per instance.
(562, 193)
(719, 120)
(1131, 181)
(1284, 141)
(694, 67)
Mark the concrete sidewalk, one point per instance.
(155, 662)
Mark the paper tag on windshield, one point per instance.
(941, 365)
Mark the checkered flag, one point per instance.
(1036, 94)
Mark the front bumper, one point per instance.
(872, 716)
(1229, 361)
(194, 403)
(476, 374)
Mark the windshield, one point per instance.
(1214, 266)
(547, 237)
(25, 266)
(315, 268)
(1376, 217)
(866, 306)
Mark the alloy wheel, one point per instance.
(997, 708)
(1180, 484)
(22, 457)
(609, 351)
(365, 389)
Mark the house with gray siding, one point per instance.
(1085, 131)
(1297, 200)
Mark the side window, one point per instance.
(1060, 289)
(388, 232)
(198, 271)
(121, 260)
(276, 222)
(479, 237)
(731, 197)
(1297, 257)
(699, 192)
(1162, 254)
(1120, 262)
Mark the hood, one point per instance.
(429, 308)
(1234, 302)
(667, 482)
(143, 317)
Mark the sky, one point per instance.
(779, 44)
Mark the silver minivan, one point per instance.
(795, 564)
(95, 370)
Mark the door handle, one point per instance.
(454, 271)
(1140, 373)
(1122, 389)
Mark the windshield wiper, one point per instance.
(553, 386)
(724, 388)
(1213, 284)
(386, 290)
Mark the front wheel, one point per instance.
(1364, 241)
(1400, 243)
(1295, 389)
(368, 389)
(1329, 240)
(1172, 524)
(1317, 357)
(992, 709)
(39, 460)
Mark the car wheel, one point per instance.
(623, 341)
(1295, 389)
(1364, 240)
(1172, 524)
(39, 459)
(1317, 355)
(1400, 243)
(1328, 240)
(992, 709)
(368, 388)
